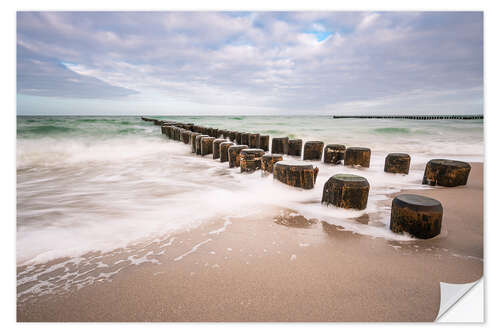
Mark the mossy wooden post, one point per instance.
(295, 147)
(447, 173)
(313, 150)
(198, 143)
(254, 140)
(346, 191)
(417, 215)
(264, 142)
(224, 155)
(334, 154)
(216, 148)
(207, 145)
(251, 159)
(357, 156)
(193, 141)
(186, 136)
(245, 139)
(232, 136)
(295, 173)
(279, 145)
(268, 161)
(234, 155)
(397, 163)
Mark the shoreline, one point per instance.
(278, 266)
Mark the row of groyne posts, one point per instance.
(416, 117)
(417, 215)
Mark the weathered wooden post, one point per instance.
(397, 163)
(185, 136)
(198, 143)
(346, 191)
(254, 140)
(313, 150)
(238, 138)
(216, 148)
(232, 135)
(251, 159)
(177, 133)
(164, 129)
(224, 155)
(207, 145)
(334, 154)
(417, 215)
(268, 161)
(234, 155)
(295, 147)
(279, 145)
(447, 173)
(245, 139)
(264, 142)
(357, 156)
(295, 173)
(193, 141)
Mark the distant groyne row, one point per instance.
(416, 117)
(417, 215)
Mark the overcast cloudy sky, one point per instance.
(249, 63)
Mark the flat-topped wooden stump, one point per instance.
(357, 156)
(397, 163)
(313, 150)
(334, 154)
(231, 135)
(185, 136)
(279, 145)
(207, 145)
(251, 159)
(254, 140)
(346, 191)
(234, 155)
(269, 160)
(198, 143)
(177, 133)
(417, 215)
(295, 147)
(447, 173)
(238, 138)
(264, 142)
(245, 139)
(224, 146)
(295, 173)
(192, 140)
(216, 148)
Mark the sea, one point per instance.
(98, 184)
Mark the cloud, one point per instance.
(280, 61)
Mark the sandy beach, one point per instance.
(278, 266)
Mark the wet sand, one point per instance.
(278, 266)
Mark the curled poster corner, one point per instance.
(451, 293)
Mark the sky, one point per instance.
(254, 63)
